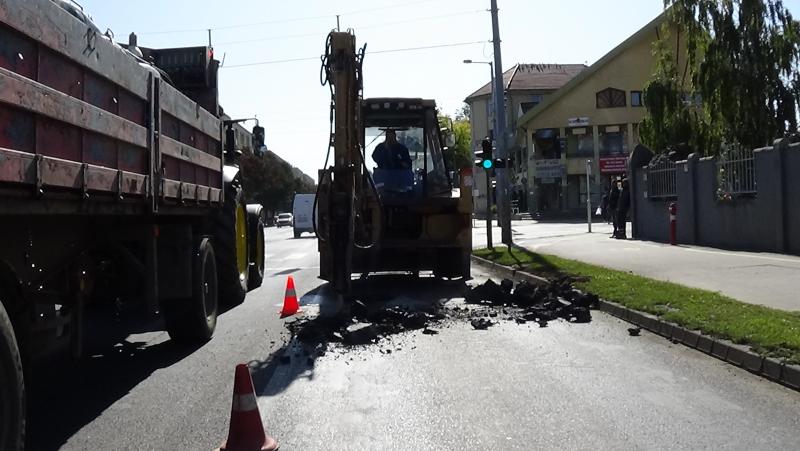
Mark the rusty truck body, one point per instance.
(119, 185)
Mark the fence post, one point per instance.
(673, 233)
(779, 147)
(689, 205)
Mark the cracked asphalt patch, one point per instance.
(377, 320)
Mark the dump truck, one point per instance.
(388, 203)
(119, 186)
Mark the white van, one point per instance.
(303, 208)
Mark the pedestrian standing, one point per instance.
(604, 206)
(613, 199)
(623, 204)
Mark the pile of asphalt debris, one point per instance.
(486, 305)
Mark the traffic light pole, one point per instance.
(503, 206)
(488, 211)
(589, 194)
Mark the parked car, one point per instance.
(285, 219)
(303, 209)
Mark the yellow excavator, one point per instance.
(388, 202)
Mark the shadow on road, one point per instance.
(297, 358)
(66, 395)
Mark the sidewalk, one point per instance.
(771, 280)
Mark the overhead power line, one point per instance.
(288, 20)
(373, 52)
(365, 27)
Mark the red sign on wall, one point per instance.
(613, 165)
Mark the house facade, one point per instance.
(525, 86)
(592, 120)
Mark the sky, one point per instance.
(256, 37)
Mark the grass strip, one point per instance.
(770, 332)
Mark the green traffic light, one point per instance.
(487, 164)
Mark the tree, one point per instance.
(459, 155)
(270, 181)
(464, 113)
(740, 83)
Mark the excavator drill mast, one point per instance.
(342, 199)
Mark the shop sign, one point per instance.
(578, 122)
(613, 165)
(549, 168)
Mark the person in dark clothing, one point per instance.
(623, 205)
(604, 213)
(613, 200)
(391, 154)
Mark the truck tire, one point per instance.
(12, 388)
(231, 246)
(193, 319)
(255, 225)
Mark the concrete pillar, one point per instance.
(781, 219)
(530, 174)
(630, 137)
(596, 165)
(686, 186)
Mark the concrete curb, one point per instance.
(741, 356)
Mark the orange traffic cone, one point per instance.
(290, 305)
(246, 432)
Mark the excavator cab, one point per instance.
(425, 221)
(401, 137)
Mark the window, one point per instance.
(527, 106)
(636, 98)
(547, 143)
(611, 98)
(580, 142)
(614, 140)
(524, 107)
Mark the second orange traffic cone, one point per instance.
(246, 432)
(290, 304)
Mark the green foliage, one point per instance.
(270, 181)
(464, 113)
(461, 150)
(460, 154)
(740, 82)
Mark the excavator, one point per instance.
(388, 203)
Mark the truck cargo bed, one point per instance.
(83, 121)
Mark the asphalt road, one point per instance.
(567, 386)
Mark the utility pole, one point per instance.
(503, 206)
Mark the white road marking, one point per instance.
(295, 256)
(286, 268)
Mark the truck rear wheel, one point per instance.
(12, 388)
(231, 245)
(194, 319)
(255, 224)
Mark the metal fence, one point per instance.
(661, 179)
(736, 173)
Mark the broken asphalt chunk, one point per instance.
(481, 323)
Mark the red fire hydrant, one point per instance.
(673, 227)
